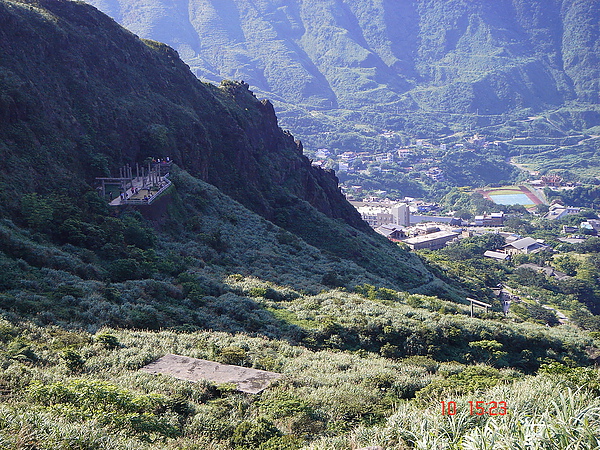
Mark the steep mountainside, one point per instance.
(384, 58)
(80, 96)
(90, 96)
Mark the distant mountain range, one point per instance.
(355, 66)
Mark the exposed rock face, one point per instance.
(80, 95)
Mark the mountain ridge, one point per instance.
(92, 97)
(385, 59)
(157, 105)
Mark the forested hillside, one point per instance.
(355, 66)
(250, 257)
(81, 96)
(68, 101)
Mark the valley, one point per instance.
(249, 256)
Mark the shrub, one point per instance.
(471, 380)
(250, 435)
(429, 364)
(108, 341)
(21, 350)
(124, 269)
(258, 291)
(282, 443)
(73, 360)
(233, 355)
(110, 405)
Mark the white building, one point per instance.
(322, 153)
(431, 241)
(558, 211)
(343, 167)
(401, 214)
(525, 246)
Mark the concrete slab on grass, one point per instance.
(247, 380)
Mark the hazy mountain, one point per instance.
(384, 58)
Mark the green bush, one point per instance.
(233, 355)
(473, 379)
(73, 360)
(250, 435)
(110, 405)
(282, 443)
(107, 340)
(21, 350)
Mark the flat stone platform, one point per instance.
(247, 380)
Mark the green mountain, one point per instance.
(341, 70)
(251, 258)
(70, 105)
(81, 97)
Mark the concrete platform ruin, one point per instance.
(247, 380)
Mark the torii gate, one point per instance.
(479, 304)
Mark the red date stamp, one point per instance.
(478, 408)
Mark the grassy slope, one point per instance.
(263, 296)
(62, 388)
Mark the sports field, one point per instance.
(512, 195)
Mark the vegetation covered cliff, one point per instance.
(251, 258)
(78, 91)
(81, 97)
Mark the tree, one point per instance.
(529, 277)
(566, 264)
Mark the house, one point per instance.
(491, 220)
(376, 216)
(552, 180)
(401, 214)
(591, 224)
(386, 157)
(322, 153)
(391, 231)
(432, 241)
(558, 211)
(500, 256)
(566, 229)
(403, 152)
(548, 271)
(497, 219)
(525, 246)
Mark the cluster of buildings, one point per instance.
(409, 211)
(416, 157)
(402, 222)
(351, 162)
(405, 222)
(377, 214)
(489, 220)
(552, 181)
